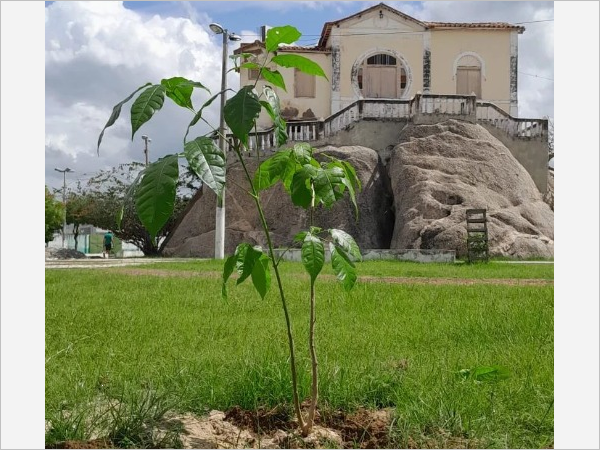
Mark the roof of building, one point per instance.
(426, 25)
(327, 26)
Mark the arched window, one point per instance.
(381, 76)
(468, 75)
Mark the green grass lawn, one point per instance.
(382, 345)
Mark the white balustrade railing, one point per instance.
(513, 126)
(451, 105)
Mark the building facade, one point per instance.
(382, 53)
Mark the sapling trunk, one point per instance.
(314, 393)
(288, 323)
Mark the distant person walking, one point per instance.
(107, 244)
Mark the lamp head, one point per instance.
(216, 28)
(234, 37)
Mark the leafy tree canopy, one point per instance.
(100, 201)
(54, 216)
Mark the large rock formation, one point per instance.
(417, 201)
(194, 236)
(439, 171)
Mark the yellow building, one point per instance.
(382, 53)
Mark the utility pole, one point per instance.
(146, 141)
(64, 172)
(220, 212)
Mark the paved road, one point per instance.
(91, 263)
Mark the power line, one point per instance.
(535, 21)
(536, 76)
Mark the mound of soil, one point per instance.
(270, 428)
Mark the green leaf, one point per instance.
(274, 111)
(228, 269)
(207, 161)
(155, 196)
(490, 373)
(179, 90)
(247, 256)
(249, 65)
(271, 170)
(347, 242)
(129, 194)
(274, 77)
(241, 111)
(327, 184)
(303, 153)
(301, 63)
(198, 115)
(300, 190)
(342, 266)
(281, 35)
(300, 236)
(313, 255)
(117, 112)
(144, 107)
(350, 180)
(261, 276)
(119, 217)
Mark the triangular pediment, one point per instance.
(379, 16)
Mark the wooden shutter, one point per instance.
(468, 80)
(304, 84)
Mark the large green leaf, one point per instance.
(274, 77)
(144, 107)
(272, 106)
(207, 161)
(271, 170)
(241, 111)
(313, 255)
(179, 90)
(281, 35)
(303, 153)
(247, 257)
(261, 275)
(342, 266)
(300, 188)
(129, 196)
(301, 63)
(117, 112)
(328, 184)
(155, 195)
(347, 242)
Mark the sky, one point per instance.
(97, 53)
(76, 104)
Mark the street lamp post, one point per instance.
(64, 172)
(220, 211)
(146, 141)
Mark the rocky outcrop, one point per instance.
(439, 171)
(417, 201)
(194, 236)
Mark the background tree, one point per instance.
(78, 210)
(54, 216)
(100, 200)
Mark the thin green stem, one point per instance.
(288, 322)
(314, 397)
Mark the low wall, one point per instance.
(415, 255)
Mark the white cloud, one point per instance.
(99, 52)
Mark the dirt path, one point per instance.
(364, 279)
